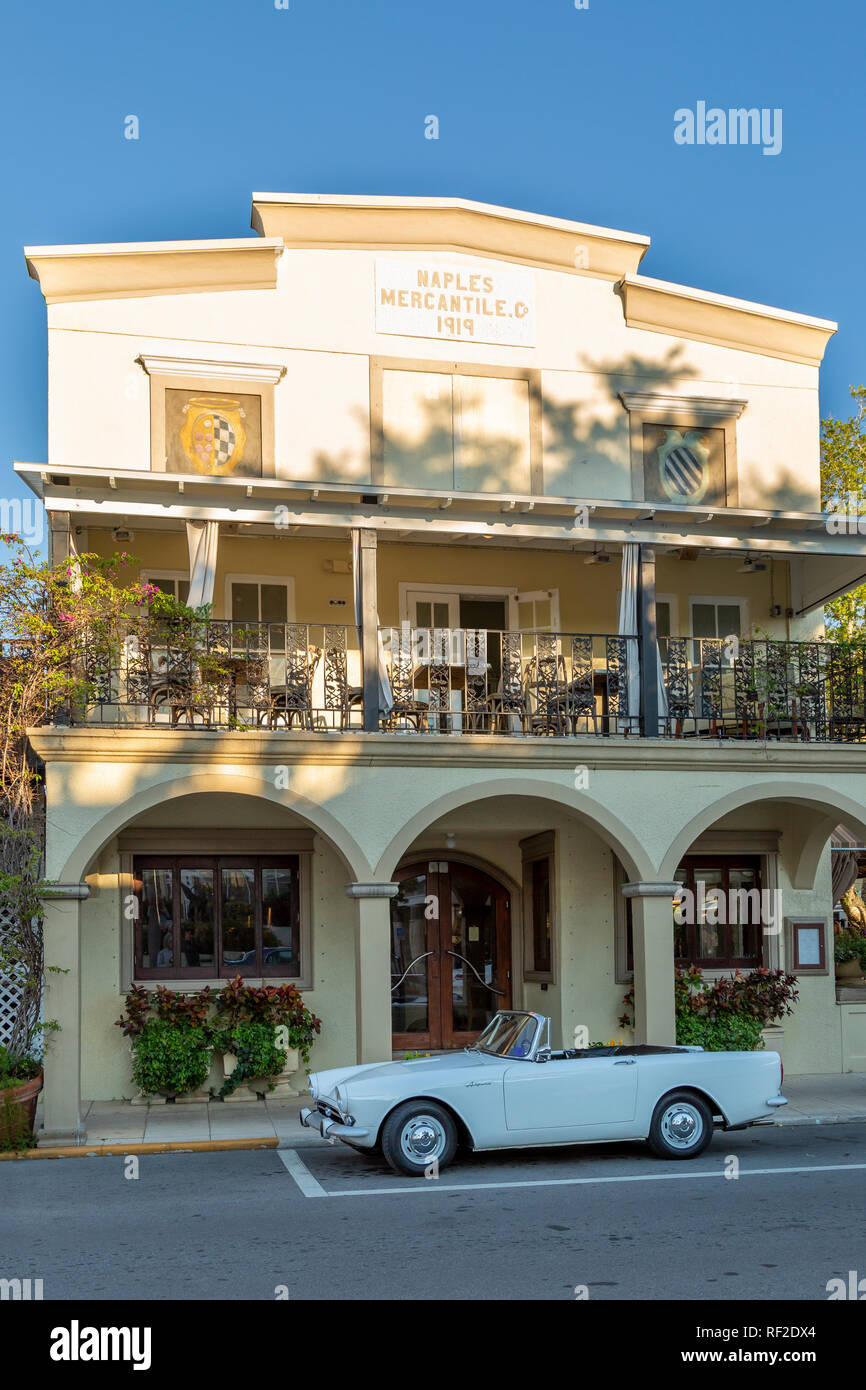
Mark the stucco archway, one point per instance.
(607, 826)
(827, 805)
(122, 816)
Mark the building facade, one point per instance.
(516, 566)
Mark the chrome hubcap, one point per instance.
(422, 1139)
(682, 1126)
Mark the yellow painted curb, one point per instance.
(185, 1146)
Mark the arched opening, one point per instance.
(508, 897)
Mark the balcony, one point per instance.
(456, 682)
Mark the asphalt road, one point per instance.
(611, 1222)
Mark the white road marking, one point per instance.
(434, 1184)
(297, 1169)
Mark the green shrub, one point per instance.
(730, 1033)
(15, 1131)
(255, 1046)
(15, 1069)
(850, 945)
(168, 1058)
(726, 1014)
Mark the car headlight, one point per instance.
(342, 1099)
(314, 1086)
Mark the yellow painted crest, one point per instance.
(212, 435)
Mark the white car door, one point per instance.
(581, 1095)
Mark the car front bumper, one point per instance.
(330, 1128)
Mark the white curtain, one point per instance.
(628, 627)
(386, 697)
(203, 541)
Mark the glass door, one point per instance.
(450, 954)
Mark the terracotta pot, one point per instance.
(849, 969)
(24, 1098)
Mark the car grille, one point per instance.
(325, 1107)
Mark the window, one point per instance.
(211, 916)
(253, 601)
(541, 914)
(718, 617)
(538, 922)
(717, 923)
(175, 585)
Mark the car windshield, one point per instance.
(509, 1035)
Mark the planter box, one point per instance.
(283, 1083)
(23, 1099)
(259, 1086)
(774, 1036)
(849, 970)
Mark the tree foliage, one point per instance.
(843, 490)
(58, 625)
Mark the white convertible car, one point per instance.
(511, 1090)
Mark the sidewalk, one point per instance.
(812, 1100)
(118, 1122)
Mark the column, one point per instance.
(373, 968)
(653, 943)
(60, 544)
(369, 617)
(648, 636)
(61, 1099)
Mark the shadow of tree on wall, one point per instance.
(585, 441)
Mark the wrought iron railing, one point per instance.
(224, 674)
(308, 676)
(479, 681)
(727, 688)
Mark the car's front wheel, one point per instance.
(682, 1126)
(419, 1138)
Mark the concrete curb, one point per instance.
(273, 1142)
(179, 1146)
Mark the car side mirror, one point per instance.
(544, 1054)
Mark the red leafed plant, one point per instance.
(238, 1003)
(766, 995)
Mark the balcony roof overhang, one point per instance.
(144, 500)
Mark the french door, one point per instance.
(450, 954)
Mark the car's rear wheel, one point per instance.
(682, 1126)
(418, 1138)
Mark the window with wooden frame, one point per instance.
(211, 916)
(170, 582)
(717, 924)
(538, 917)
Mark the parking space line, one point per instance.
(434, 1184)
(297, 1169)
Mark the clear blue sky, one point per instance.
(541, 106)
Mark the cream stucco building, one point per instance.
(516, 564)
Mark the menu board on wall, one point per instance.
(460, 301)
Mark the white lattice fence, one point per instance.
(10, 989)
